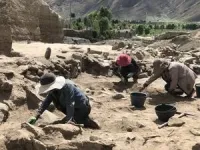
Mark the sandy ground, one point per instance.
(134, 129)
(37, 49)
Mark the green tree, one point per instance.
(147, 31)
(86, 22)
(150, 26)
(156, 26)
(103, 25)
(162, 26)
(191, 26)
(104, 12)
(171, 26)
(140, 29)
(73, 15)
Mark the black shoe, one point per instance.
(91, 124)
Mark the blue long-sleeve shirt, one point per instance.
(66, 99)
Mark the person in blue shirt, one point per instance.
(67, 98)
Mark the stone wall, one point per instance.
(86, 34)
(32, 19)
(51, 25)
(5, 30)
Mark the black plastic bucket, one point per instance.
(198, 89)
(165, 111)
(138, 99)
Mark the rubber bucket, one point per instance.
(165, 111)
(197, 86)
(138, 99)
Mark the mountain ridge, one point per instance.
(152, 10)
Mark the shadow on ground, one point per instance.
(166, 98)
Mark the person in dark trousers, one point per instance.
(126, 67)
(67, 98)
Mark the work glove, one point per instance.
(32, 120)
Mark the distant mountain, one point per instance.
(153, 10)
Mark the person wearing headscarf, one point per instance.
(67, 98)
(179, 78)
(126, 67)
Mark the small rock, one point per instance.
(47, 118)
(40, 73)
(117, 46)
(86, 145)
(33, 68)
(38, 145)
(32, 77)
(139, 55)
(87, 90)
(77, 56)
(196, 69)
(129, 129)
(10, 104)
(95, 52)
(61, 57)
(189, 60)
(143, 75)
(175, 122)
(33, 129)
(196, 146)
(23, 69)
(8, 73)
(18, 139)
(32, 99)
(139, 125)
(195, 132)
(118, 96)
(68, 131)
(3, 112)
(63, 51)
(48, 53)
(94, 138)
(7, 86)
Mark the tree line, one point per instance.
(104, 26)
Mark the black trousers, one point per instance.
(177, 91)
(124, 71)
(81, 114)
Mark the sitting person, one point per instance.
(126, 67)
(67, 98)
(179, 78)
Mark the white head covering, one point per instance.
(58, 83)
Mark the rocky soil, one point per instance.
(122, 126)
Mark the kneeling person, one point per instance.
(126, 67)
(179, 78)
(67, 98)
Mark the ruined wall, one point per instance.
(33, 19)
(5, 30)
(51, 25)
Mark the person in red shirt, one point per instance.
(126, 67)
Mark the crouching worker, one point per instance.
(126, 67)
(179, 78)
(67, 98)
